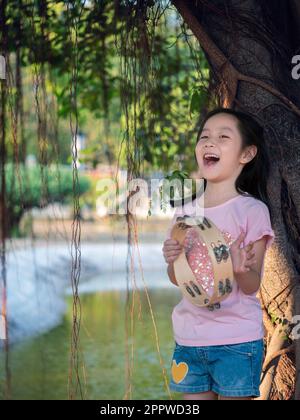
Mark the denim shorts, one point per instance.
(229, 370)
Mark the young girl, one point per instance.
(218, 354)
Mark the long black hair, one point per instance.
(254, 175)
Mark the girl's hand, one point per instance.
(171, 250)
(242, 258)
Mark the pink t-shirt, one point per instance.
(240, 317)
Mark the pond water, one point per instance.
(40, 321)
(39, 366)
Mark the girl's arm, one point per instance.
(248, 282)
(171, 251)
(247, 264)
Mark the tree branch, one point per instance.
(279, 353)
(229, 75)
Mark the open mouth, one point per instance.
(210, 159)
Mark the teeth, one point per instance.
(210, 155)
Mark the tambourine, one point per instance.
(193, 289)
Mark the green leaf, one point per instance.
(198, 100)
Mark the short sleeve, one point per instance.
(259, 225)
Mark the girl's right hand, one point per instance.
(171, 250)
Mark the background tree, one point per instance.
(59, 185)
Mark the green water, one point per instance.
(39, 367)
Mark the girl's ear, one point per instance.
(248, 154)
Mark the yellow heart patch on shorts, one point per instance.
(179, 371)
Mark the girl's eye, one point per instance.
(205, 137)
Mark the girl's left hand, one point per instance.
(242, 258)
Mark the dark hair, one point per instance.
(254, 175)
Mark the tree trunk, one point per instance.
(249, 46)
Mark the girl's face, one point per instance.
(219, 149)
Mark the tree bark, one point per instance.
(249, 45)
